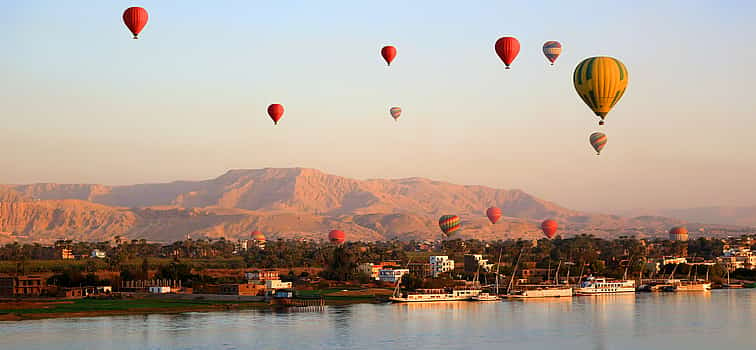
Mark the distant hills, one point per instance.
(288, 203)
(724, 215)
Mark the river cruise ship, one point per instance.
(536, 291)
(600, 285)
(430, 295)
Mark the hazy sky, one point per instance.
(83, 103)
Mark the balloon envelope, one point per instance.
(275, 111)
(552, 50)
(494, 214)
(396, 112)
(598, 141)
(507, 48)
(388, 53)
(600, 82)
(549, 228)
(135, 19)
(449, 224)
(257, 236)
(337, 236)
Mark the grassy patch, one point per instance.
(96, 305)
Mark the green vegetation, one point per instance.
(126, 305)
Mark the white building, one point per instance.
(391, 275)
(160, 290)
(738, 258)
(440, 264)
(276, 284)
(96, 253)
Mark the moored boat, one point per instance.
(430, 295)
(486, 297)
(599, 285)
(536, 291)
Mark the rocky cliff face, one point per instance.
(288, 203)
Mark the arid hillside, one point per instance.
(291, 202)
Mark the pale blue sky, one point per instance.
(82, 102)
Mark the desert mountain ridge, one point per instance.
(288, 203)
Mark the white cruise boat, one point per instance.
(427, 295)
(599, 285)
(536, 291)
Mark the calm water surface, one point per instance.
(644, 321)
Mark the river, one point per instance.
(643, 321)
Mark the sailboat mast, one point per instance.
(514, 271)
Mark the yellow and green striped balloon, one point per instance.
(600, 82)
(449, 224)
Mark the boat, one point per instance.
(431, 295)
(541, 291)
(485, 297)
(599, 285)
(687, 286)
(730, 285)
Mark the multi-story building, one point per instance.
(420, 269)
(370, 269)
(262, 275)
(475, 263)
(66, 253)
(392, 275)
(22, 286)
(738, 258)
(440, 264)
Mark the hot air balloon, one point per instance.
(678, 233)
(552, 50)
(449, 224)
(549, 228)
(135, 19)
(258, 236)
(388, 53)
(598, 141)
(507, 48)
(494, 214)
(337, 236)
(396, 112)
(275, 111)
(600, 82)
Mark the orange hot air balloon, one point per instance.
(275, 111)
(388, 53)
(549, 228)
(337, 236)
(258, 236)
(494, 214)
(507, 48)
(135, 19)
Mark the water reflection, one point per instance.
(652, 321)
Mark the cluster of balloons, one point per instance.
(452, 223)
(599, 81)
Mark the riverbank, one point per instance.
(42, 309)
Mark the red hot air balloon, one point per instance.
(494, 214)
(275, 111)
(337, 236)
(549, 228)
(388, 53)
(135, 19)
(258, 236)
(507, 48)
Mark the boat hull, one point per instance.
(542, 293)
